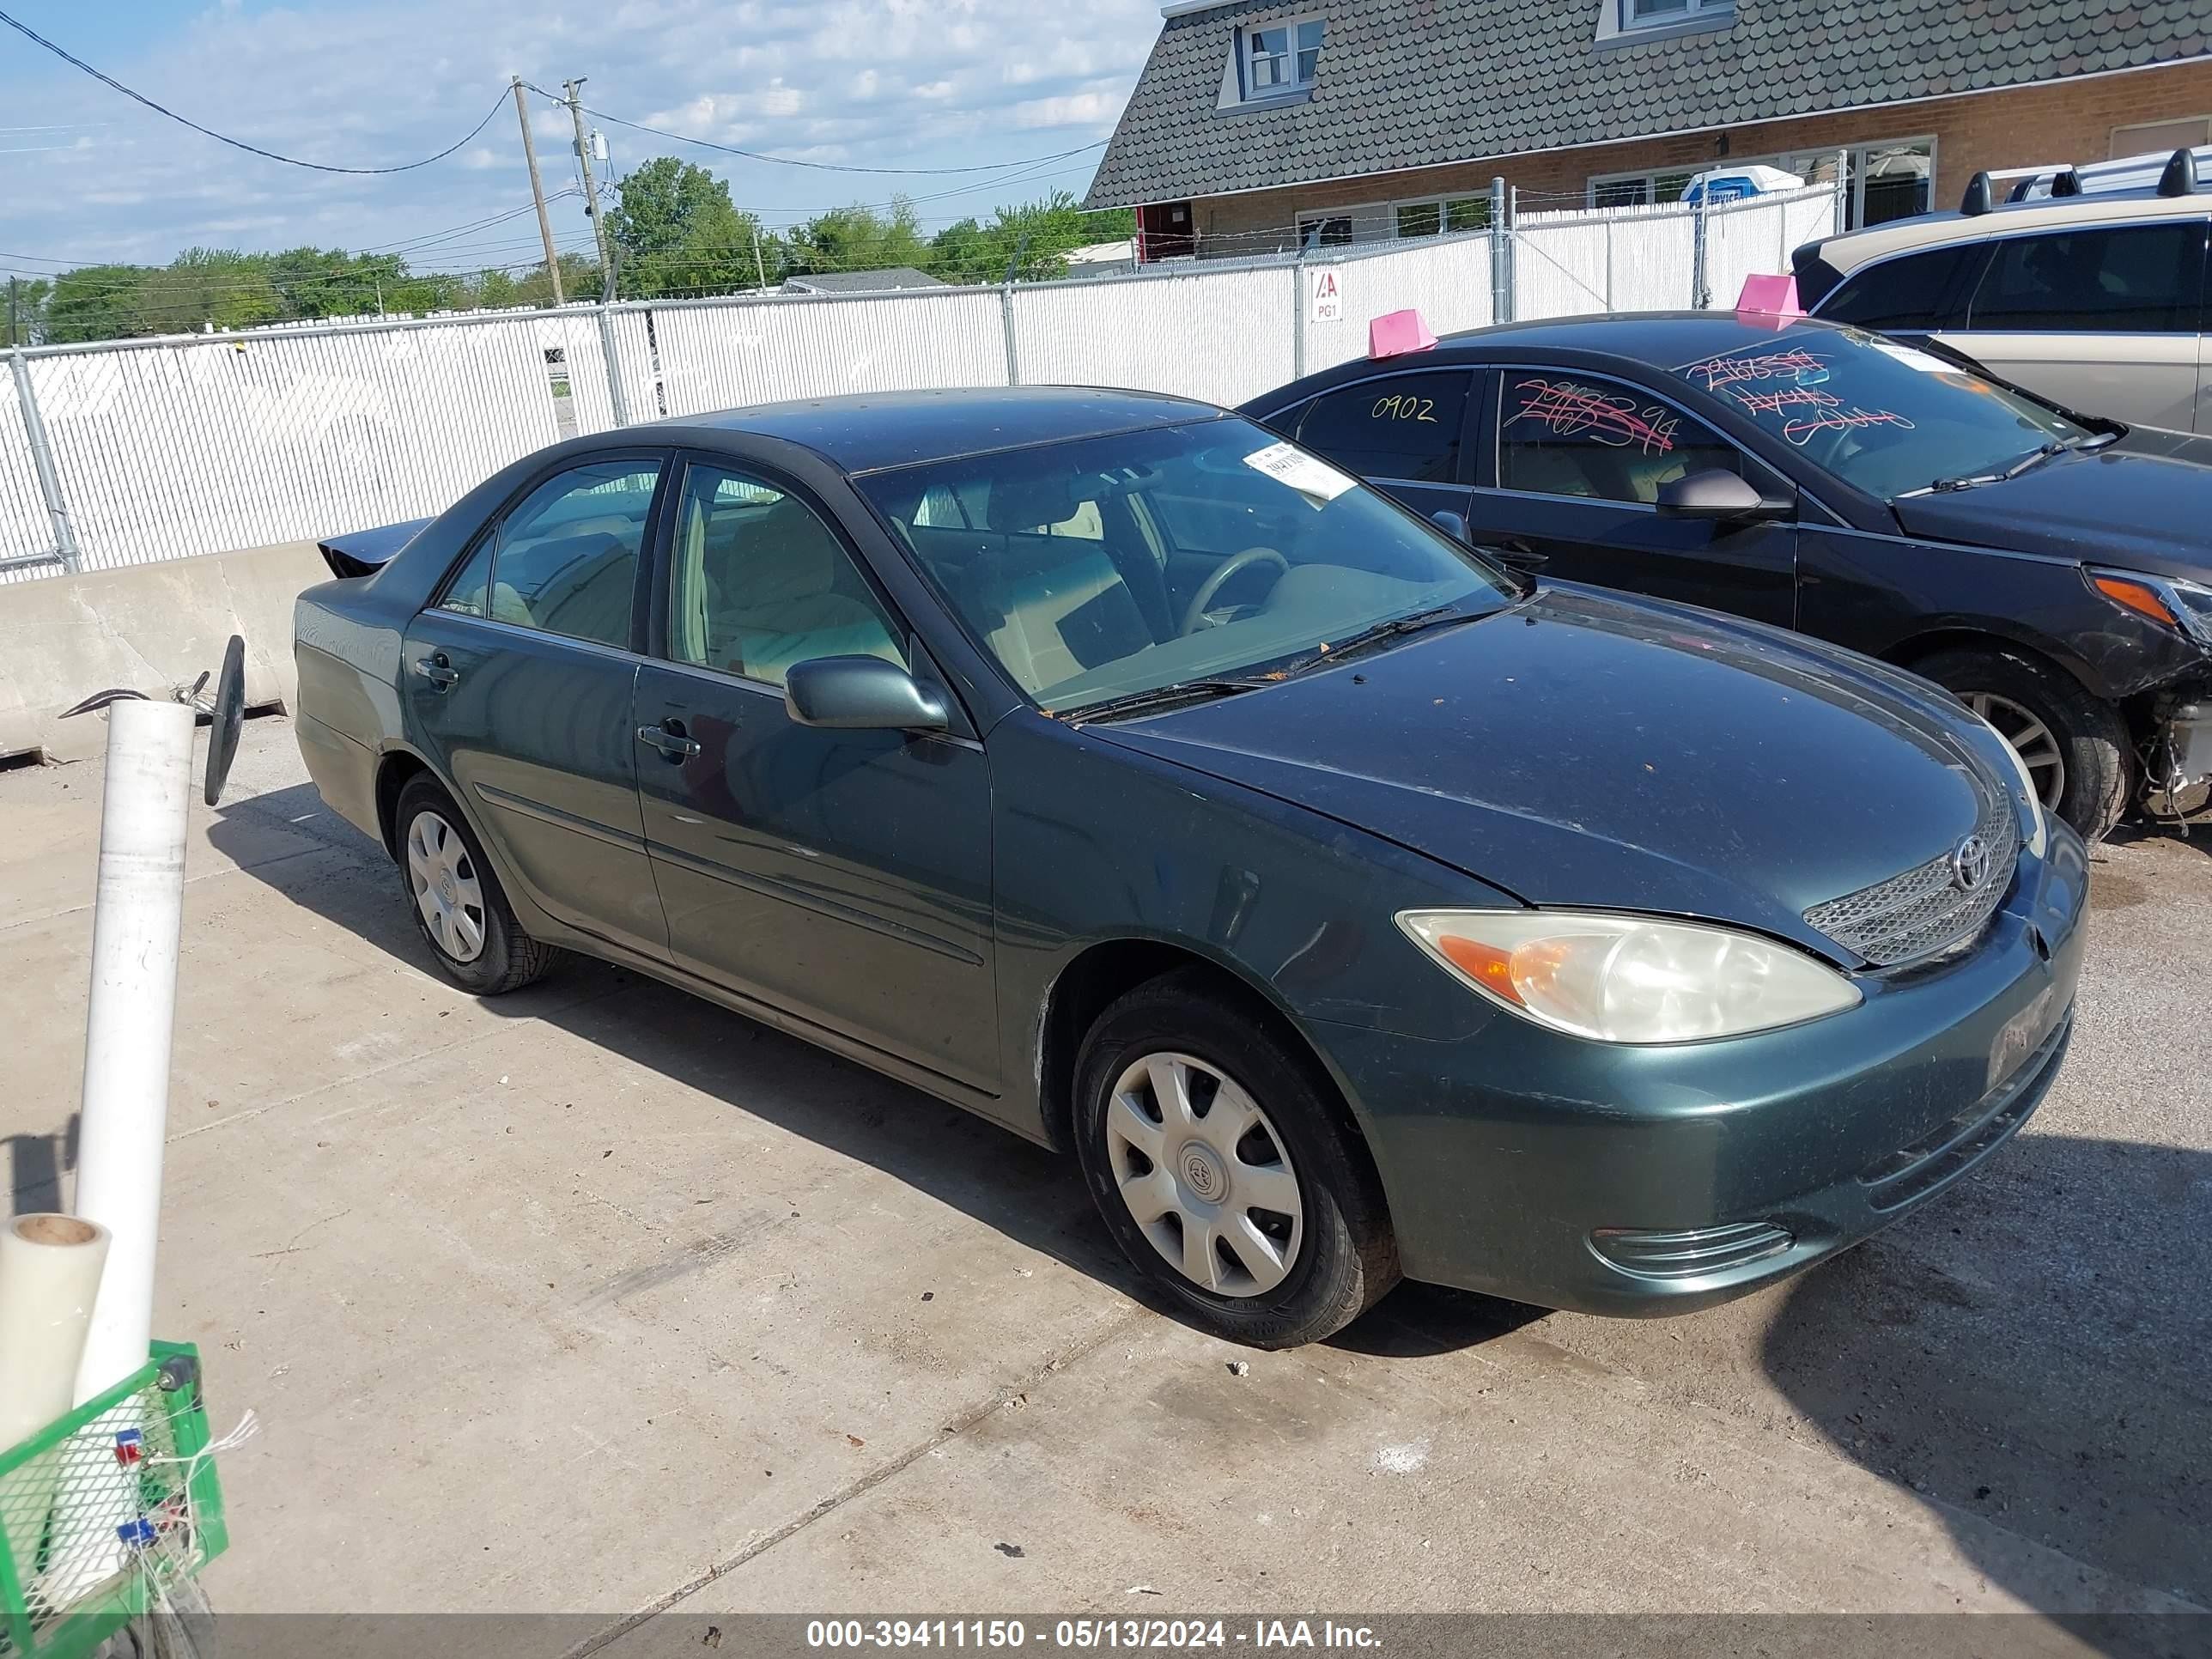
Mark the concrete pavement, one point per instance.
(598, 1299)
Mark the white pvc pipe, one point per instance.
(128, 1022)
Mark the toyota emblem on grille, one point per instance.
(1970, 865)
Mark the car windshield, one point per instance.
(1110, 567)
(1884, 417)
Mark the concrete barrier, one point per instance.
(145, 627)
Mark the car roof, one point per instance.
(1665, 338)
(1848, 251)
(868, 431)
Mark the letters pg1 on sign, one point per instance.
(1325, 295)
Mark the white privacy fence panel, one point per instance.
(1446, 280)
(581, 363)
(197, 446)
(209, 442)
(1755, 238)
(1223, 336)
(757, 351)
(1628, 258)
(27, 531)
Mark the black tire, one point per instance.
(508, 957)
(1346, 1256)
(2092, 738)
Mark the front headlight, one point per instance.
(2031, 834)
(1629, 979)
(2184, 606)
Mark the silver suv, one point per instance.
(2086, 285)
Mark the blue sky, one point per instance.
(91, 175)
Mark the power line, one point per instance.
(819, 167)
(109, 81)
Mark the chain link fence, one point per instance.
(145, 449)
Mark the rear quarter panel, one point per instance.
(345, 649)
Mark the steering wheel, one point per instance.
(1194, 617)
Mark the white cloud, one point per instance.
(885, 82)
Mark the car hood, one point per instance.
(1581, 749)
(2139, 503)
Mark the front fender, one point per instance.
(1296, 906)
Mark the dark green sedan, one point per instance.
(1349, 906)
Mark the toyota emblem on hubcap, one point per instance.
(1970, 865)
(1202, 1173)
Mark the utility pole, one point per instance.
(538, 190)
(591, 189)
(760, 270)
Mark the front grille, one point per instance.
(1923, 910)
(1953, 1147)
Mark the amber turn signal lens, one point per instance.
(2137, 598)
(1485, 964)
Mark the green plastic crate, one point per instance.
(63, 1490)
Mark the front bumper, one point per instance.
(1524, 1163)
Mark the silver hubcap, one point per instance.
(447, 891)
(2031, 740)
(1205, 1175)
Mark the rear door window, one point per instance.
(1910, 291)
(1398, 426)
(2133, 279)
(565, 557)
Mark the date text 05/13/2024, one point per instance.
(1163, 1634)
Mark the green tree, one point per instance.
(1032, 240)
(859, 238)
(94, 302)
(675, 231)
(22, 321)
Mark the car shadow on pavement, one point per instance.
(1022, 1189)
(2028, 1355)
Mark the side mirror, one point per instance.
(860, 694)
(1454, 524)
(1720, 497)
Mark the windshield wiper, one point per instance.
(1177, 691)
(1413, 622)
(2082, 443)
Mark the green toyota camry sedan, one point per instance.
(1349, 906)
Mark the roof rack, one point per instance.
(2177, 173)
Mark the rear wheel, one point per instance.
(2074, 747)
(456, 900)
(1222, 1165)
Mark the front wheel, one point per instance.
(457, 904)
(1223, 1168)
(2075, 748)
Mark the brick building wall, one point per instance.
(2064, 120)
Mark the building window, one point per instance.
(1281, 57)
(2160, 137)
(1644, 14)
(1384, 222)
(1889, 181)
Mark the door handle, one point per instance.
(436, 668)
(669, 736)
(1518, 554)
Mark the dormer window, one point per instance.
(1649, 14)
(1280, 58)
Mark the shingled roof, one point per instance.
(1411, 83)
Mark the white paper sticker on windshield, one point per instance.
(1913, 358)
(1307, 474)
